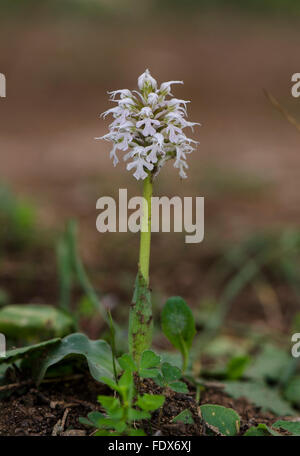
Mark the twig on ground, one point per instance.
(60, 425)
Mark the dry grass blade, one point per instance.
(282, 110)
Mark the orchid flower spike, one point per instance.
(148, 125)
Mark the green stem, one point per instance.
(145, 240)
(184, 354)
(140, 317)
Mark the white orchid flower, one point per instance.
(148, 125)
(124, 93)
(165, 87)
(146, 80)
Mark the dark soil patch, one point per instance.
(54, 409)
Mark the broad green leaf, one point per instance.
(226, 346)
(140, 319)
(109, 402)
(269, 365)
(261, 395)
(110, 423)
(85, 421)
(98, 420)
(96, 352)
(149, 359)
(179, 387)
(92, 419)
(30, 321)
(292, 390)
(150, 402)
(292, 426)
(178, 323)
(112, 407)
(135, 415)
(236, 367)
(160, 381)
(127, 363)
(170, 373)
(126, 381)
(225, 420)
(31, 350)
(171, 358)
(185, 417)
(149, 373)
(109, 382)
(262, 430)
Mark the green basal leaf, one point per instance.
(96, 352)
(270, 364)
(160, 381)
(178, 323)
(292, 390)
(109, 423)
(135, 415)
(179, 387)
(92, 419)
(225, 420)
(261, 395)
(140, 319)
(32, 350)
(30, 321)
(149, 359)
(149, 373)
(236, 367)
(109, 382)
(85, 421)
(126, 381)
(148, 364)
(150, 402)
(291, 426)
(170, 373)
(185, 417)
(127, 363)
(171, 358)
(110, 403)
(262, 430)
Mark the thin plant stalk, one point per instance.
(185, 355)
(140, 317)
(145, 240)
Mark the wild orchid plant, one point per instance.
(148, 128)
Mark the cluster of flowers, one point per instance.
(148, 125)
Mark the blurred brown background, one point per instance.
(61, 58)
